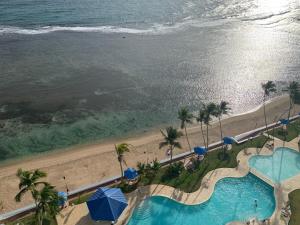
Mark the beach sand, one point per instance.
(88, 164)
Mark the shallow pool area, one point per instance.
(283, 164)
(234, 199)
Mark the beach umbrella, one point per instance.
(130, 174)
(107, 204)
(284, 121)
(63, 197)
(200, 150)
(228, 140)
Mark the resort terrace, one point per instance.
(239, 155)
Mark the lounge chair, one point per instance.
(270, 146)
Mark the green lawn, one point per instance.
(294, 198)
(191, 181)
(82, 198)
(293, 131)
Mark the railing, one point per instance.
(241, 138)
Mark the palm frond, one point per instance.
(268, 87)
(184, 116)
(20, 194)
(122, 148)
(163, 144)
(177, 145)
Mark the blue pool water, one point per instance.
(283, 164)
(232, 200)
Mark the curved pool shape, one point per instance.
(233, 200)
(283, 164)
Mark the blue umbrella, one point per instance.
(130, 174)
(284, 121)
(228, 140)
(63, 197)
(107, 204)
(200, 150)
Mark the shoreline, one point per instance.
(130, 135)
(92, 163)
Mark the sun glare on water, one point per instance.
(276, 6)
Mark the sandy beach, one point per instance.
(88, 164)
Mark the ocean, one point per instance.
(76, 72)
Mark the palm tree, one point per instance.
(200, 119)
(220, 110)
(209, 111)
(120, 150)
(170, 139)
(29, 181)
(47, 204)
(185, 117)
(268, 88)
(293, 90)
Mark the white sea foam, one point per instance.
(155, 29)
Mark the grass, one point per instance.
(293, 131)
(294, 198)
(81, 199)
(190, 181)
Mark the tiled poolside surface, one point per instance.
(78, 215)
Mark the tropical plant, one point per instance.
(141, 168)
(209, 111)
(170, 140)
(120, 150)
(220, 110)
(200, 119)
(173, 170)
(268, 88)
(293, 90)
(28, 182)
(156, 165)
(47, 204)
(185, 117)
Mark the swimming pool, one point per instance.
(283, 164)
(233, 200)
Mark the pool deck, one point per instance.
(78, 215)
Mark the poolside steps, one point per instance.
(142, 211)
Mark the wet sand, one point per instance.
(88, 164)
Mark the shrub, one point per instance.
(173, 170)
(126, 188)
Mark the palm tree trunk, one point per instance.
(207, 136)
(221, 133)
(121, 167)
(203, 134)
(265, 115)
(171, 154)
(39, 217)
(187, 138)
(290, 108)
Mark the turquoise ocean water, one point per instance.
(74, 72)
